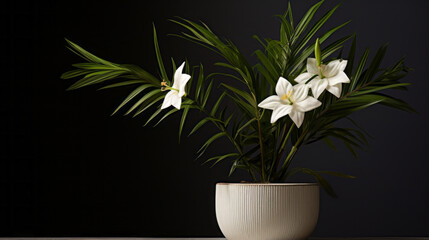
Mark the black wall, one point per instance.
(68, 169)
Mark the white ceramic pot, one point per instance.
(247, 211)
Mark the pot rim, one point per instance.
(269, 184)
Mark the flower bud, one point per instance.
(317, 53)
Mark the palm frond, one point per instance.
(228, 99)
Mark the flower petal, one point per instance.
(176, 101)
(297, 117)
(280, 111)
(318, 86)
(299, 92)
(283, 86)
(177, 76)
(335, 89)
(341, 77)
(270, 102)
(167, 99)
(312, 66)
(307, 104)
(303, 77)
(334, 67)
(184, 78)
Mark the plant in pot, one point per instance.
(290, 98)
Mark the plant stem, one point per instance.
(262, 151)
(283, 142)
(258, 117)
(287, 162)
(290, 156)
(261, 142)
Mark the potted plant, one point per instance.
(290, 98)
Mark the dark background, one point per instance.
(68, 169)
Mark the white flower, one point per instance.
(292, 100)
(174, 97)
(329, 77)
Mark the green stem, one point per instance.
(285, 137)
(287, 162)
(262, 152)
(290, 156)
(258, 117)
(171, 88)
(261, 142)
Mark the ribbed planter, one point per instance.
(247, 211)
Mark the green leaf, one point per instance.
(322, 182)
(132, 95)
(245, 108)
(376, 89)
(207, 94)
(89, 56)
(199, 125)
(75, 73)
(95, 78)
(359, 127)
(153, 116)
(173, 110)
(209, 141)
(217, 104)
(159, 57)
(244, 127)
(200, 83)
(142, 74)
(351, 149)
(94, 66)
(335, 46)
(120, 84)
(220, 158)
(286, 30)
(274, 73)
(144, 106)
(375, 64)
(241, 93)
(302, 25)
(329, 143)
(265, 73)
(351, 58)
(361, 65)
(316, 28)
(144, 98)
(182, 120)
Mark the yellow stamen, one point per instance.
(285, 96)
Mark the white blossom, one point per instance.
(329, 77)
(177, 91)
(290, 100)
